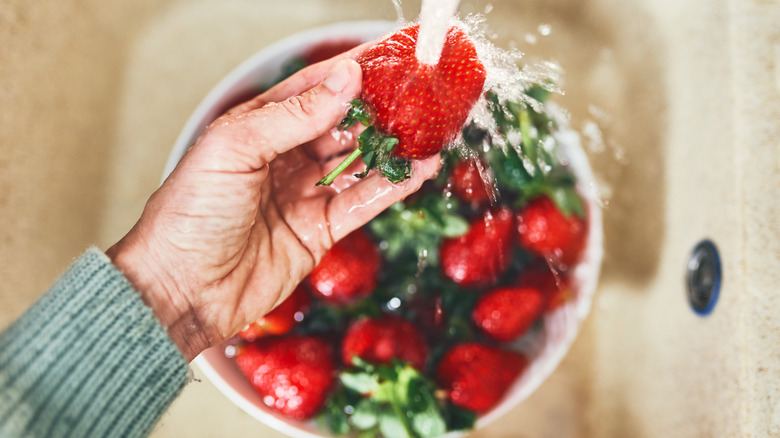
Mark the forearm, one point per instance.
(88, 359)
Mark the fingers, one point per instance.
(297, 83)
(336, 142)
(248, 141)
(356, 205)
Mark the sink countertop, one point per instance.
(93, 96)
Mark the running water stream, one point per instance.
(435, 18)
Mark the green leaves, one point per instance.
(458, 305)
(427, 418)
(458, 418)
(375, 148)
(361, 382)
(333, 416)
(566, 199)
(526, 161)
(394, 401)
(416, 228)
(365, 415)
(358, 113)
(390, 425)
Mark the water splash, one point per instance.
(509, 79)
(399, 11)
(435, 18)
(594, 138)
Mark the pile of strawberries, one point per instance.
(408, 326)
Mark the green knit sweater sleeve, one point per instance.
(89, 359)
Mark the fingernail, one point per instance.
(338, 78)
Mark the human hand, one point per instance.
(239, 222)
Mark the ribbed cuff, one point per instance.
(89, 359)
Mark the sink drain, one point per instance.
(703, 277)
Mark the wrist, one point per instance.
(152, 280)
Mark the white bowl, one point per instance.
(545, 349)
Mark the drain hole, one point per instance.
(703, 277)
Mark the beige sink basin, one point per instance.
(684, 94)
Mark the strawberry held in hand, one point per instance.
(293, 374)
(424, 106)
(412, 109)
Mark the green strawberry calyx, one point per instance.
(525, 164)
(375, 148)
(393, 401)
(415, 228)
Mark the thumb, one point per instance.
(258, 136)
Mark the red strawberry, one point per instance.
(292, 374)
(348, 271)
(506, 313)
(467, 182)
(280, 320)
(422, 106)
(477, 376)
(555, 287)
(477, 258)
(543, 229)
(379, 340)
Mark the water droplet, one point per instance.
(394, 303)
(399, 11)
(594, 139)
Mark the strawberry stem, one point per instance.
(328, 179)
(375, 147)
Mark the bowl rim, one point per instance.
(585, 275)
(275, 54)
